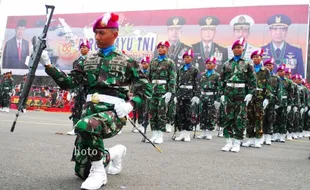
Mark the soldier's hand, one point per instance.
(175, 100)
(167, 97)
(195, 100)
(248, 98)
(295, 109)
(276, 107)
(302, 110)
(222, 99)
(217, 105)
(308, 113)
(265, 103)
(306, 108)
(289, 108)
(123, 109)
(45, 59)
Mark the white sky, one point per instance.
(36, 7)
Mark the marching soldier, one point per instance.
(163, 77)
(208, 89)
(259, 102)
(285, 106)
(79, 93)
(238, 85)
(6, 89)
(307, 113)
(186, 87)
(270, 115)
(104, 75)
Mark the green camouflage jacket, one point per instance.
(164, 70)
(7, 84)
(208, 88)
(187, 83)
(263, 89)
(240, 72)
(274, 82)
(108, 75)
(286, 92)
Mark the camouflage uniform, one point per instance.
(186, 86)
(7, 86)
(307, 117)
(270, 112)
(302, 105)
(238, 80)
(143, 112)
(107, 74)
(286, 94)
(255, 110)
(294, 116)
(208, 90)
(163, 77)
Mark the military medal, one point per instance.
(280, 58)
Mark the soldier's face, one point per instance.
(210, 65)
(174, 34)
(278, 33)
(270, 67)
(145, 65)
(208, 34)
(84, 50)
(20, 32)
(238, 50)
(288, 75)
(298, 81)
(105, 37)
(245, 32)
(281, 73)
(162, 50)
(188, 59)
(257, 59)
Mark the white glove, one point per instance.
(123, 109)
(45, 59)
(222, 99)
(308, 113)
(167, 97)
(302, 110)
(306, 108)
(276, 107)
(265, 103)
(195, 100)
(175, 100)
(295, 109)
(10, 93)
(217, 105)
(248, 98)
(289, 108)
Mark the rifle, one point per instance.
(34, 62)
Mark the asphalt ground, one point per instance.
(34, 157)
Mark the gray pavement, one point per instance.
(34, 157)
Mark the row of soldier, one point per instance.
(246, 98)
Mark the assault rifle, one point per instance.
(34, 61)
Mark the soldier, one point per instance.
(1, 92)
(207, 47)
(241, 25)
(238, 85)
(106, 71)
(6, 89)
(259, 102)
(143, 116)
(208, 90)
(270, 116)
(279, 49)
(186, 87)
(163, 77)
(307, 113)
(78, 92)
(285, 106)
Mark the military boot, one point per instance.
(117, 152)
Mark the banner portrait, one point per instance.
(282, 31)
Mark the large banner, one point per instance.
(282, 31)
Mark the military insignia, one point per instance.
(175, 21)
(278, 19)
(290, 62)
(209, 21)
(241, 19)
(95, 98)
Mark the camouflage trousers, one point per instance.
(5, 100)
(97, 123)
(143, 115)
(235, 121)
(307, 121)
(207, 115)
(281, 121)
(269, 119)
(221, 116)
(183, 115)
(255, 116)
(171, 112)
(158, 110)
(301, 122)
